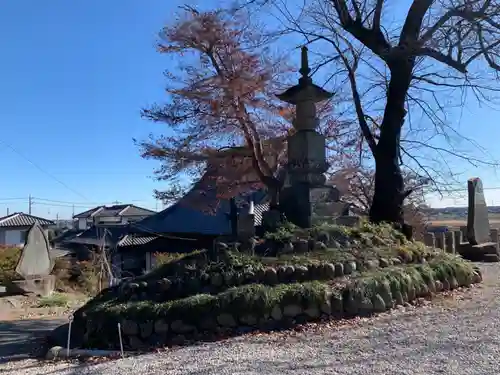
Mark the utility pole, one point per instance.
(30, 203)
(7, 211)
(73, 214)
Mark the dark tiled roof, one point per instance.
(135, 240)
(19, 219)
(66, 236)
(116, 210)
(95, 234)
(88, 213)
(184, 218)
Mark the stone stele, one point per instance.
(35, 257)
(478, 225)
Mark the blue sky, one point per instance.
(74, 77)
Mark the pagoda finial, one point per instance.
(304, 65)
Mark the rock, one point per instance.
(271, 276)
(349, 268)
(287, 247)
(371, 264)
(208, 324)
(347, 244)
(228, 278)
(146, 329)
(221, 246)
(323, 237)
(289, 271)
(431, 286)
(446, 284)
(326, 305)
(332, 244)
(365, 306)
(282, 276)
(477, 278)
(439, 286)
(216, 280)
(384, 290)
(350, 304)
(135, 343)
(129, 328)
(453, 283)
(178, 340)
(55, 352)
(367, 242)
(378, 303)
(412, 294)
(320, 246)
(226, 320)
(396, 261)
(337, 305)
(260, 275)
(311, 244)
(339, 270)
(249, 320)
(312, 312)
(301, 273)
(161, 327)
(164, 285)
(178, 326)
(292, 311)
(329, 271)
(398, 297)
(276, 313)
(301, 246)
(383, 263)
(59, 336)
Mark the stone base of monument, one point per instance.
(487, 252)
(41, 286)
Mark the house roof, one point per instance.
(185, 218)
(115, 210)
(116, 235)
(20, 219)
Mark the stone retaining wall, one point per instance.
(357, 298)
(455, 242)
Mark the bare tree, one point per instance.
(404, 75)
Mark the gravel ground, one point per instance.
(458, 335)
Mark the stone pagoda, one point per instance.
(306, 152)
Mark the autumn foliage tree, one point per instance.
(221, 108)
(220, 95)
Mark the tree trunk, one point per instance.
(387, 204)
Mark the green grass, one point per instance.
(54, 300)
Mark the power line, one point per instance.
(42, 169)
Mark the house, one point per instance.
(14, 228)
(116, 215)
(130, 254)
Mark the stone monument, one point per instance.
(306, 152)
(479, 245)
(35, 265)
(478, 224)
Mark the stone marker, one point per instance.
(478, 225)
(35, 256)
(35, 264)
